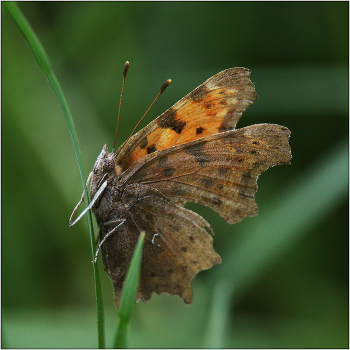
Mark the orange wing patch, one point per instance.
(211, 108)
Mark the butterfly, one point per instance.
(190, 153)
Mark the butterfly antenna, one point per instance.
(126, 67)
(164, 86)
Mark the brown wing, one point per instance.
(219, 171)
(213, 107)
(176, 247)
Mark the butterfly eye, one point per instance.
(108, 165)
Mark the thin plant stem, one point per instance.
(45, 64)
(127, 302)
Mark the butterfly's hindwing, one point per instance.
(219, 171)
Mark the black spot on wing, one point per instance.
(152, 148)
(199, 130)
(169, 121)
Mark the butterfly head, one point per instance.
(104, 169)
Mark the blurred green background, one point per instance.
(283, 281)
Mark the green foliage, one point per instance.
(283, 282)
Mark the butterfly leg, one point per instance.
(120, 222)
(109, 223)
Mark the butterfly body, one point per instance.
(191, 153)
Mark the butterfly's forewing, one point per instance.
(219, 171)
(213, 107)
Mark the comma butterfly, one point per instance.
(190, 153)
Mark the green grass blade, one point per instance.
(128, 296)
(219, 315)
(30, 36)
(45, 64)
